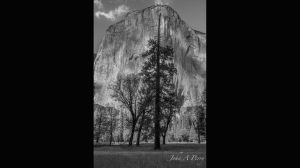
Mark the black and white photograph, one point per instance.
(149, 84)
(123, 84)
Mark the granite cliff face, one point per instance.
(120, 49)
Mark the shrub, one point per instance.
(172, 138)
(185, 137)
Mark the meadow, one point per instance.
(189, 155)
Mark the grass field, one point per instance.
(170, 156)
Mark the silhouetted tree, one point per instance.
(146, 99)
(154, 72)
(125, 91)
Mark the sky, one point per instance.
(108, 12)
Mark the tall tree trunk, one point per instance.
(166, 129)
(140, 129)
(110, 139)
(132, 132)
(157, 99)
(138, 136)
(122, 127)
(111, 131)
(164, 139)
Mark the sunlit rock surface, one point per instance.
(120, 49)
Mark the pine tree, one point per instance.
(157, 72)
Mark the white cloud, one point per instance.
(98, 3)
(111, 15)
